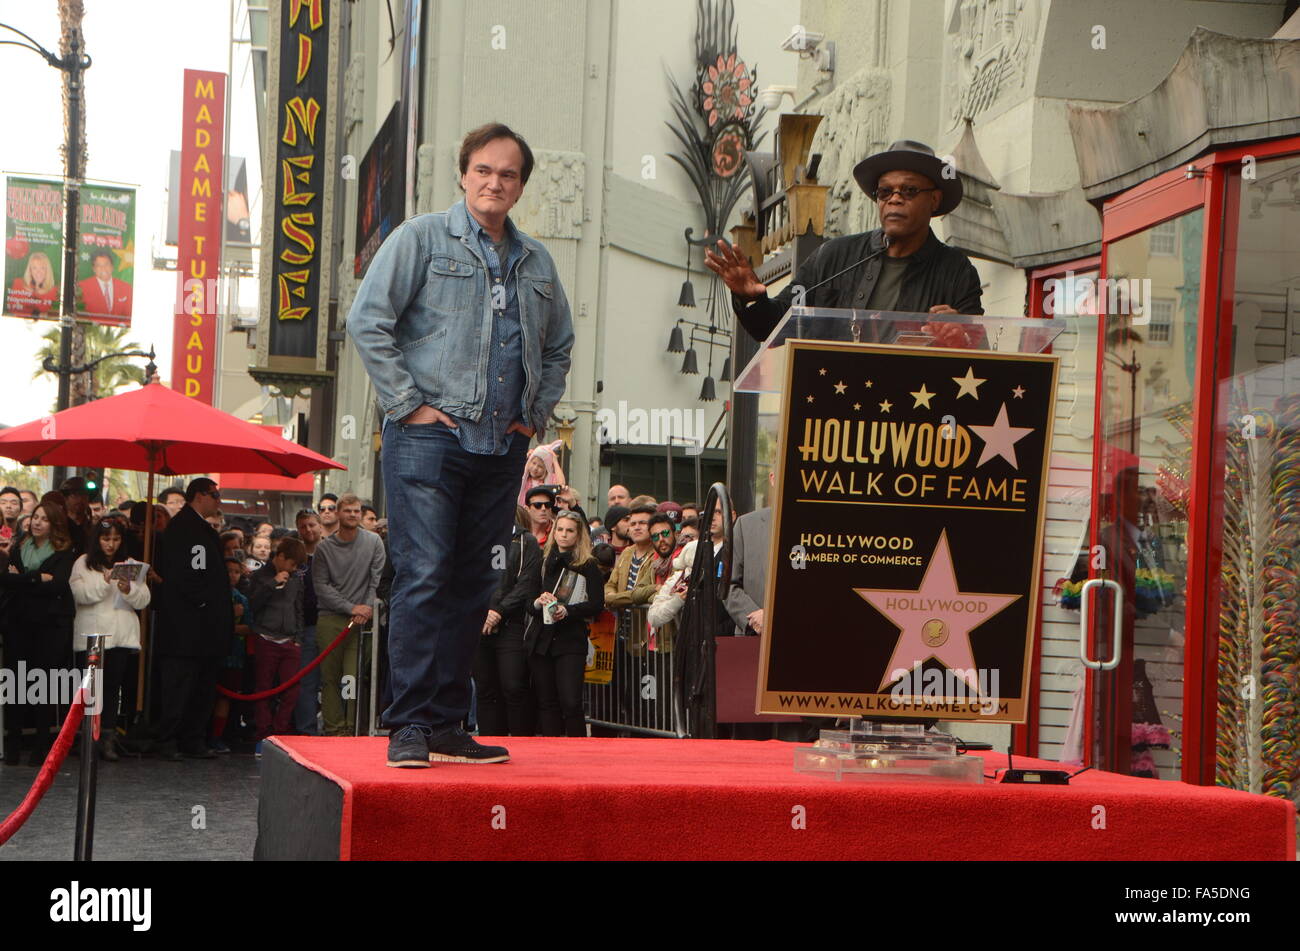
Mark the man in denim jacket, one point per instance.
(465, 331)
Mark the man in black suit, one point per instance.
(195, 622)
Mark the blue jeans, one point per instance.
(448, 509)
(304, 712)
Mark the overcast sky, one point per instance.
(140, 50)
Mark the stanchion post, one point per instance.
(376, 624)
(361, 660)
(91, 681)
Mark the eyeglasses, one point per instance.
(541, 505)
(329, 508)
(907, 191)
(655, 536)
(215, 493)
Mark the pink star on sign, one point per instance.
(1000, 439)
(936, 619)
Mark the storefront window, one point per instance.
(1259, 428)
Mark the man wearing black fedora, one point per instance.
(900, 266)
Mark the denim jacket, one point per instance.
(422, 321)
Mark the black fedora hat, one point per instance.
(908, 156)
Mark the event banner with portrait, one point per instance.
(33, 247)
(907, 532)
(106, 254)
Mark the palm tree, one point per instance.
(107, 377)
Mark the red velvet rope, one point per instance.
(292, 680)
(45, 778)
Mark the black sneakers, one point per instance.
(457, 746)
(409, 747)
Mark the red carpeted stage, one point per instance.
(719, 799)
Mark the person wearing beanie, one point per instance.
(616, 522)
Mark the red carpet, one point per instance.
(703, 799)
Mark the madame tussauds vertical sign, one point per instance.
(907, 532)
(194, 340)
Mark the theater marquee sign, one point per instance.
(300, 185)
(907, 532)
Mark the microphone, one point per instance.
(870, 257)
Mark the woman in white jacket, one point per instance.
(107, 606)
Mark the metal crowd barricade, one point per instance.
(642, 696)
(671, 691)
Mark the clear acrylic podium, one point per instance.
(881, 749)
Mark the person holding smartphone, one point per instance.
(573, 592)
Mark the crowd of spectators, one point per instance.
(244, 610)
(265, 600)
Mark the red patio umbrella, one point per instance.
(156, 430)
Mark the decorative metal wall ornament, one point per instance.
(716, 122)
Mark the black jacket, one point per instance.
(936, 274)
(41, 605)
(521, 583)
(195, 616)
(567, 636)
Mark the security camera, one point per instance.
(801, 40)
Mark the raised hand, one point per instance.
(735, 270)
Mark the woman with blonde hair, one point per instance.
(573, 592)
(36, 291)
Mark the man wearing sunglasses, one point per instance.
(900, 266)
(195, 621)
(541, 508)
(328, 510)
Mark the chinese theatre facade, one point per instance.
(1166, 234)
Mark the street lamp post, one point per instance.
(150, 370)
(74, 64)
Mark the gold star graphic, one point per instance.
(840, 387)
(885, 406)
(1018, 392)
(810, 399)
(857, 406)
(868, 384)
(923, 397)
(968, 385)
(821, 372)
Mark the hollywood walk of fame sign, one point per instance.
(907, 532)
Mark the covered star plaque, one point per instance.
(907, 533)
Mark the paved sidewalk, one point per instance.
(146, 810)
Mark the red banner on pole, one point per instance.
(194, 343)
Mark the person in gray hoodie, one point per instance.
(345, 572)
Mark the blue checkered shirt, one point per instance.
(505, 379)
